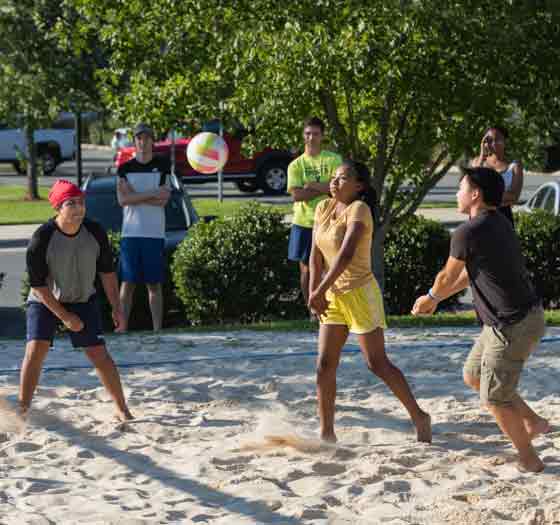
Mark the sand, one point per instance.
(225, 439)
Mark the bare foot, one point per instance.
(424, 428)
(22, 411)
(329, 437)
(530, 461)
(124, 416)
(536, 465)
(542, 427)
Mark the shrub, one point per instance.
(236, 269)
(539, 234)
(415, 251)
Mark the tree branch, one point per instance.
(407, 208)
(331, 110)
(351, 122)
(398, 134)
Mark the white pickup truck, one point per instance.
(53, 147)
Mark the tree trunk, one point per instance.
(78, 139)
(378, 254)
(30, 153)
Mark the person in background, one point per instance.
(143, 192)
(308, 183)
(492, 155)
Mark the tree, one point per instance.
(45, 66)
(406, 86)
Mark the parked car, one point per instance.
(266, 169)
(103, 206)
(546, 197)
(54, 146)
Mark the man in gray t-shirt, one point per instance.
(64, 257)
(485, 253)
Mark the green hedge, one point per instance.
(539, 233)
(415, 251)
(236, 269)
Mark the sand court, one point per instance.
(226, 434)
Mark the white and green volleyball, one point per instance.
(207, 152)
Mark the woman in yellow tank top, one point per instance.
(346, 296)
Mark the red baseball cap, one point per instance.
(63, 190)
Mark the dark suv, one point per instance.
(102, 206)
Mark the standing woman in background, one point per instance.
(492, 155)
(346, 296)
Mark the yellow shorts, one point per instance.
(361, 309)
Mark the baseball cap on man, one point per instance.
(143, 128)
(63, 190)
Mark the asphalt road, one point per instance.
(98, 160)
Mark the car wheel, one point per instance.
(247, 186)
(273, 177)
(49, 162)
(18, 167)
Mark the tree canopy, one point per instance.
(406, 86)
(47, 64)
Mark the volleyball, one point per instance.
(207, 152)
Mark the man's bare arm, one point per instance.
(303, 194)
(322, 187)
(127, 196)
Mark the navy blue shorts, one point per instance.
(299, 247)
(42, 323)
(141, 260)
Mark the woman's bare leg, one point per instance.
(331, 341)
(372, 345)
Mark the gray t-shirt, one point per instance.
(68, 264)
(502, 291)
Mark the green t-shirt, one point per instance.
(306, 168)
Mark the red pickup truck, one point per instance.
(266, 170)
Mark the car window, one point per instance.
(174, 214)
(548, 203)
(104, 208)
(538, 199)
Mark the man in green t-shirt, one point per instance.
(308, 183)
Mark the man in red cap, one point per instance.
(63, 258)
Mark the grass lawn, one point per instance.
(14, 210)
(228, 207)
(447, 319)
(438, 204)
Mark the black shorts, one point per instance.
(42, 323)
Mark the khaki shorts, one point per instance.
(498, 356)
